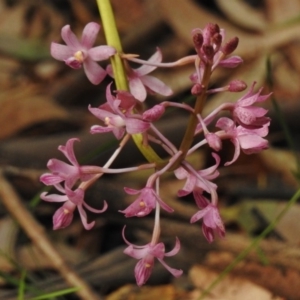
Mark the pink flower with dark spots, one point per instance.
(209, 213)
(80, 53)
(72, 199)
(202, 181)
(62, 171)
(117, 115)
(146, 255)
(249, 140)
(145, 202)
(248, 115)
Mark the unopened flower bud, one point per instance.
(212, 28)
(217, 39)
(209, 52)
(153, 113)
(237, 86)
(230, 46)
(196, 89)
(209, 31)
(197, 40)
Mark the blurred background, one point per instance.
(43, 103)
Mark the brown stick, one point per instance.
(37, 234)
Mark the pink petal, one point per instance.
(175, 249)
(96, 211)
(208, 233)
(60, 167)
(212, 169)
(237, 151)
(127, 242)
(165, 206)
(200, 200)
(76, 196)
(181, 173)
(231, 62)
(83, 218)
(101, 113)
(137, 89)
(136, 126)
(61, 52)
(127, 100)
(118, 132)
(249, 93)
(257, 111)
(263, 97)
(89, 34)
(156, 85)
(213, 141)
(131, 191)
(68, 151)
(188, 187)
(136, 210)
(101, 52)
(51, 179)
(198, 215)
(252, 143)
(225, 124)
(53, 197)
(142, 272)
(63, 216)
(137, 253)
(145, 69)
(93, 71)
(70, 38)
(100, 129)
(245, 115)
(175, 272)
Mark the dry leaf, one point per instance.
(242, 14)
(230, 288)
(133, 292)
(282, 162)
(21, 108)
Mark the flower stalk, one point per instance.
(113, 39)
(125, 115)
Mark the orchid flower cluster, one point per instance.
(126, 115)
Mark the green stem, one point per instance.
(113, 39)
(254, 244)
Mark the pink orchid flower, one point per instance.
(77, 53)
(146, 255)
(212, 221)
(72, 199)
(249, 140)
(62, 171)
(194, 183)
(117, 114)
(246, 114)
(145, 203)
(140, 82)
